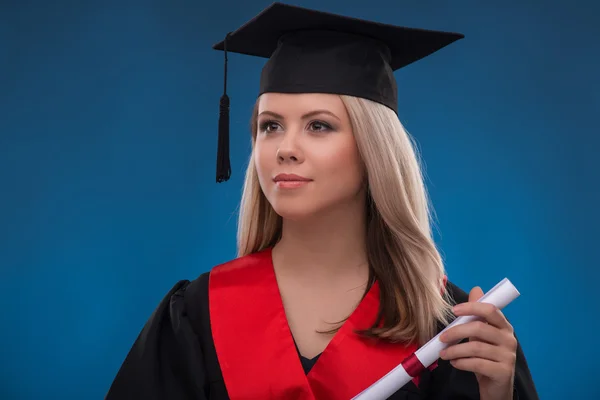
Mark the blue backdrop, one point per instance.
(108, 136)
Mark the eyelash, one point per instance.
(266, 124)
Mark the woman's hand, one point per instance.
(491, 351)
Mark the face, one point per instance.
(305, 154)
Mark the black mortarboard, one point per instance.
(316, 52)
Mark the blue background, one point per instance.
(108, 129)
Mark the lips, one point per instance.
(290, 178)
(289, 182)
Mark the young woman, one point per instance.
(338, 279)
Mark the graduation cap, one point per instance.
(311, 51)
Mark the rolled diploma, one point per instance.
(500, 296)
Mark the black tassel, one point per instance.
(223, 163)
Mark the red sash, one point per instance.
(256, 350)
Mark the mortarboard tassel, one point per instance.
(223, 164)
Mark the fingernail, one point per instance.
(457, 308)
(442, 353)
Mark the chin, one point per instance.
(294, 209)
(304, 206)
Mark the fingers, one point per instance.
(491, 347)
(476, 349)
(496, 371)
(481, 331)
(475, 294)
(488, 312)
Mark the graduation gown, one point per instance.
(224, 335)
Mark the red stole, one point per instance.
(256, 350)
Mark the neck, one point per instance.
(325, 248)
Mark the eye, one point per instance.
(268, 126)
(319, 126)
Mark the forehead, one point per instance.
(298, 104)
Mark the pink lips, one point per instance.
(290, 181)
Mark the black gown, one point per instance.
(174, 358)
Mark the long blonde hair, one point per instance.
(401, 252)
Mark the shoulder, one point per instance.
(192, 295)
(179, 309)
(166, 354)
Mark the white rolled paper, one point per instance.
(500, 295)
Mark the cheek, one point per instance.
(263, 162)
(343, 165)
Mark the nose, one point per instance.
(289, 150)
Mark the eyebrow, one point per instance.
(307, 115)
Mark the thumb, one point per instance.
(475, 294)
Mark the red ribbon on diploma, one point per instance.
(413, 366)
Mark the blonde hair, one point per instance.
(402, 255)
